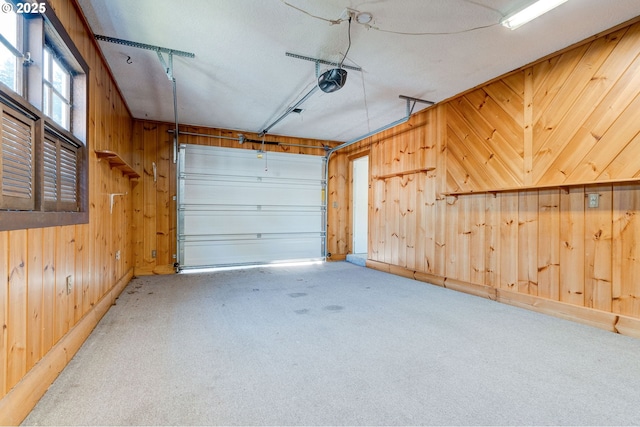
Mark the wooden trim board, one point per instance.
(17, 404)
(612, 322)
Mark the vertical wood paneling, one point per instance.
(440, 185)
(35, 309)
(4, 312)
(549, 247)
(392, 222)
(626, 247)
(572, 118)
(528, 242)
(572, 121)
(409, 200)
(451, 237)
(477, 239)
(572, 246)
(163, 205)
(83, 267)
(428, 222)
(598, 250)
(509, 240)
(151, 138)
(35, 270)
(491, 249)
(463, 237)
(65, 251)
(137, 226)
(49, 244)
(17, 308)
(378, 208)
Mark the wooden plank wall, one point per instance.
(489, 190)
(154, 209)
(36, 312)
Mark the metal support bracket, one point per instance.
(168, 69)
(167, 66)
(321, 61)
(311, 92)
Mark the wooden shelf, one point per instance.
(115, 161)
(403, 173)
(547, 187)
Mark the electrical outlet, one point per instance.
(594, 200)
(69, 284)
(153, 253)
(117, 255)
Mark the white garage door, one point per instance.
(242, 207)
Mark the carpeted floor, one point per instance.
(337, 344)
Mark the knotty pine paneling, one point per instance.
(36, 310)
(626, 250)
(573, 121)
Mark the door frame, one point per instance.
(352, 158)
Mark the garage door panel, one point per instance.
(212, 253)
(236, 209)
(275, 165)
(256, 222)
(258, 193)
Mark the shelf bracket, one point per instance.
(111, 196)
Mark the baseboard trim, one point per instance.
(23, 397)
(612, 322)
(155, 270)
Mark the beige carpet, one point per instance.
(337, 344)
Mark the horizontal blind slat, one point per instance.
(17, 156)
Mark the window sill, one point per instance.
(20, 220)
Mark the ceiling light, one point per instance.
(364, 18)
(530, 12)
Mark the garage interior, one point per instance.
(484, 175)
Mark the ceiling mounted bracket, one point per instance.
(411, 103)
(311, 92)
(411, 106)
(144, 46)
(168, 69)
(321, 61)
(167, 65)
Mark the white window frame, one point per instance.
(16, 50)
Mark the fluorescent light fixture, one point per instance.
(530, 13)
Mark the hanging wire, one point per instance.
(408, 33)
(331, 21)
(366, 105)
(348, 47)
(403, 33)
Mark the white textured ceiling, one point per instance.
(241, 78)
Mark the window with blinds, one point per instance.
(60, 173)
(17, 160)
(44, 166)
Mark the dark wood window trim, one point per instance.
(39, 218)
